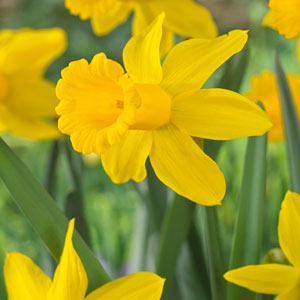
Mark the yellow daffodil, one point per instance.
(184, 17)
(264, 88)
(27, 100)
(277, 279)
(284, 16)
(25, 280)
(153, 110)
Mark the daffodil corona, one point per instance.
(25, 280)
(277, 279)
(27, 100)
(193, 20)
(264, 88)
(153, 110)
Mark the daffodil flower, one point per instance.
(27, 100)
(184, 17)
(277, 279)
(25, 280)
(284, 16)
(264, 88)
(153, 110)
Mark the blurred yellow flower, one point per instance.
(27, 100)
(284, 16)
(184, 17)
(264, 88)
(153, 110)
(277, 279)
(25, 280)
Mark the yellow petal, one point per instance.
(268, 20)
(289, 227)
(219, 115)
(174, 155)
(24, 126)
(126, 159)
(24, 279)
(88, 8)
(141, 55)
(106, 22)
(137, 286)
(32, 97)
(187, 18)
(190, 63)
(267, 279)
(144, 14)
(30, 50)
(293, 294)
(285, 17)
(70, 279)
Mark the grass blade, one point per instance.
(291, 126)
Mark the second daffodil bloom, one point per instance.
(184, 17)
(25, 280)
(264, 88)
(277, 279)
(27, 100)
(153, 110)
(284, 16)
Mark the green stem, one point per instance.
(75, 199)
(174, 233)
(215, 259)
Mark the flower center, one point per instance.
(3, 87)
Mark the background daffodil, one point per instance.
(27, 99)
(284, 16)
(264, 88)
(153, 110)
(25, 280)
(277, 279)
(192, 21)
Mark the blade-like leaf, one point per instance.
(248, 233)
(43, 213)
(291, 126)
(174, 233)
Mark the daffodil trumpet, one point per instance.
(154, 110)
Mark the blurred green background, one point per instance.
(115, 212)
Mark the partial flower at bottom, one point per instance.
(25, 280)
(277, 279)
(27, 100)
(153, 110)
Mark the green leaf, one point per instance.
(44, 215)
(248, 233)
(291, 126)
(174, 233)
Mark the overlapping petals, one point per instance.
(277, 279)
(25, 280)
(169, 109)
(107, 14)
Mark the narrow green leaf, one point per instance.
(214, 253)
(174, 233)
(248, 233)
(291, 126)
(215, 257)
(44, 215)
